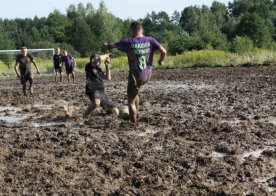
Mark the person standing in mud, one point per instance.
(139, 49)
(57, 61)
(70, 63)
(94, 87)
(23, 63)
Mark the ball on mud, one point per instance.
(124, 112)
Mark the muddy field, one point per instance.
(205, 131)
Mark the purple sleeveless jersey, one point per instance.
(140, 53)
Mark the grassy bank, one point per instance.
(202, 58)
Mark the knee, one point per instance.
(97, 103)
(115, 111)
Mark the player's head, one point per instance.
(24, 50)
(65, 52)
(95, 60)
(136, 28)
(57, 50)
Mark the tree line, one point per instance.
(240, 26)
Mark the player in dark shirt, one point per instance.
(94, 87)
(23, 63)
(57, 61)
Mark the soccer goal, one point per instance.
(42, 56)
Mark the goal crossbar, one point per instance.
(30, 50)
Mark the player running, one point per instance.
(23, 63)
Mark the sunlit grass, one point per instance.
(202, 58)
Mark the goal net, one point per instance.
(43, 57)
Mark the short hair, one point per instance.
(93, 56)
(23, 47)
(135, 27)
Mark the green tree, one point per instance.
(81, 37)
(57, 24)
(241, 44)
(259, 30)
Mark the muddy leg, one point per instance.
(91, 108)
(73, 77)
(24, 88)
(60, 76)
(31, 86)
(132, 109)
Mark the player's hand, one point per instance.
(107, 63)
(107, 46)
(160, 62)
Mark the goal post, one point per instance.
(43, 56)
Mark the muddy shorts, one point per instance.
(135, 81)
(106, 104)
(69, 69)
(58, 69)
(26, 77)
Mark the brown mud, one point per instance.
(204, 131)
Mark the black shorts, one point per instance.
(70, 69)
(58, 69)
(135, 81)
(26, 77)
(106, 104)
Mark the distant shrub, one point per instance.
(241, 44)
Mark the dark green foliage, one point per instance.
(241, 44)
(84, 29)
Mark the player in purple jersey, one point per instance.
(23, 63)
(70, 63)
(139, 49)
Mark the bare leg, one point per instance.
(24, 88)
(60, 76)
(115, 111)
(91, 108)
(31, 86)
(68, 77)
(55, 76)
(73, 77)
(132, 109)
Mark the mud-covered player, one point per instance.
(57, 61)
(95, 88)
(23, 64)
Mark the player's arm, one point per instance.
(110, 45)
(163, 53)
(16, 68)
(107, 70)
(35, 64)
(74, 61)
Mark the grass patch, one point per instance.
(201, 58)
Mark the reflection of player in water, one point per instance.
(23, 63)
(140, 51)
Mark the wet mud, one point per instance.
(202, 131)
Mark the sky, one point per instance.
(11, 9)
